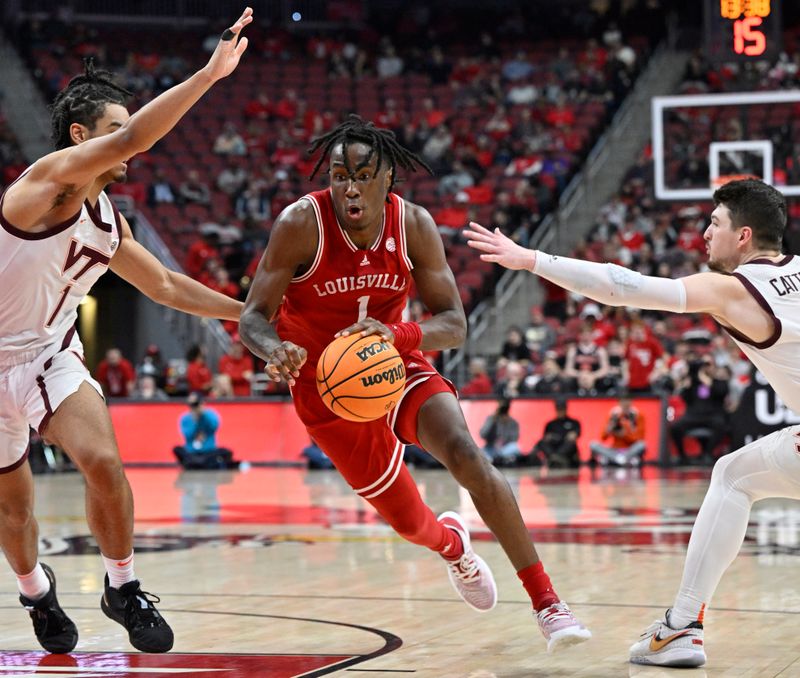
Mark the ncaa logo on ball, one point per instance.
(391, 245)
(373, 349)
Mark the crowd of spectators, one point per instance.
(573, 346)
(504, 125)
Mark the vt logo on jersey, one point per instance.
(78, 251)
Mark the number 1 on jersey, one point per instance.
(362, 307)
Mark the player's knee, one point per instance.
(101, 467)
(458, 448)
(464, 459)
(16, 516)
(724, 474)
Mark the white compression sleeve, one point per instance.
(767, 467)
(611, 284)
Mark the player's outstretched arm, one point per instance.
(292, 244)
(81, 164)
(136, 265)
(606, 283)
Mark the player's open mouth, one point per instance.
(354, 212)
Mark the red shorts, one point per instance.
(369, 455)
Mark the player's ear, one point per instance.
(78, 133)
(745, 234)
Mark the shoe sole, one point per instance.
(564, 638)
(676, 657)
(467, 545)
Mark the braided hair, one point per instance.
(83, 100)
(383, 141)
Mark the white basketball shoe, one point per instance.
(470, 575)
(662, 645)
(560, 627)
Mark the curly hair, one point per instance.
(83, 100)
(382, 141)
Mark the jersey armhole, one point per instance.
(320, 241)
(401, 209)
(778, 327)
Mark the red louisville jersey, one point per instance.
(345, 283)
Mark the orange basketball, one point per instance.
(360, 378)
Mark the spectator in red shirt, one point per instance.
(561, 115)
(631, 238)
(389, 116)
(116, 374)
(198, 376)
(222, 283)
(433, 116)
(642, 353)
(259, 108)
(201, 251)
(286, 108)
(480, 382)
(690, 239)
(236, 369)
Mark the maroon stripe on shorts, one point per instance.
(48, 409)
(67, 338)
(64, 345)
(16, 464)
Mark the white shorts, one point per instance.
(30, 392)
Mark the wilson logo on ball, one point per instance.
(391, 376)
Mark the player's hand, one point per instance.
(229, 49)
(498, 248)
(285, 362)
(366, 327)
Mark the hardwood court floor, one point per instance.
(284, 572)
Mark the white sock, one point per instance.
(35, 584)
(768, 467)
(120, 572)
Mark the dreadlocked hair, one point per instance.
(382, 141)
(83, 100)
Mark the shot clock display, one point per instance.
(742, 30)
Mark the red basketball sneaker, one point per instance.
(470, 575)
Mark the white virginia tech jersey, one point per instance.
(776, 288)
(44, 276)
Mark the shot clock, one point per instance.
(742, 30)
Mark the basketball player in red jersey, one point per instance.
(59, 232)
(340, 261)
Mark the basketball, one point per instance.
(360, 378)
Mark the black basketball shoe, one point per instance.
(134, 609)
(54, 630)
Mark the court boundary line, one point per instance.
(391, 642)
